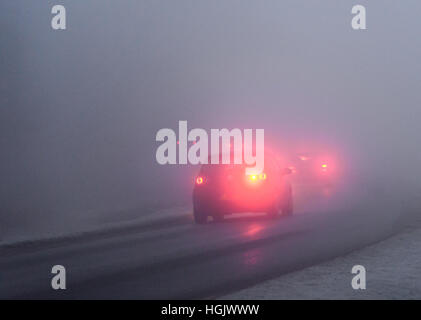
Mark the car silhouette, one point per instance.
(223, 189)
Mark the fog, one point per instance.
(80, 108)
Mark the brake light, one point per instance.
(199, 180)
(262, 176)
(255, 177)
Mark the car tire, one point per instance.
(200, 217)
(288, 209)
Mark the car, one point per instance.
(314, 168)
(223, 189)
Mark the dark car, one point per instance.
(222, 189)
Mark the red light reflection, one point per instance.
(253, 230)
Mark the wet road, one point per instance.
(175, 259)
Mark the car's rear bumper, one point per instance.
(224, 204)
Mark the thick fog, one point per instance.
(80, 108)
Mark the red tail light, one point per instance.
(199, 180)
(262, 176)
(255, 177)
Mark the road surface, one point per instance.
(175, 259)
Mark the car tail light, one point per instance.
(262, 176)
(255, 177)
(199, 180)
